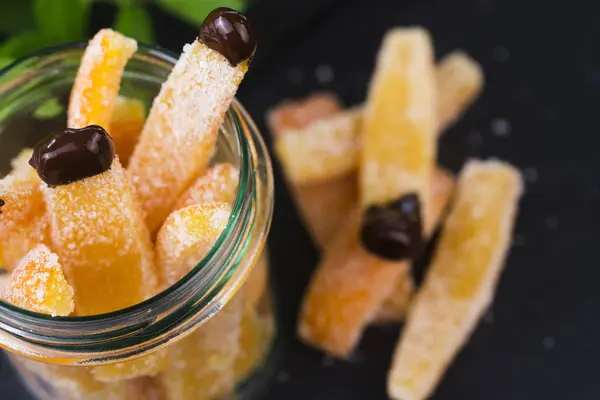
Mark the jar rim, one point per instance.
(177, 309)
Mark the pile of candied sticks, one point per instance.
(369, 189)
(82, 235)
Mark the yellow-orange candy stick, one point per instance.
(324, 206)
(201, 366)
(38, 284)
(350, 287)
(218, 185)
(328, 143)
(396, 304)
(97, 228)
(126, 125)
(461, 279)
(398, 158)
(459, 81)
(186, 236)
(96, 87)
(23, 218)
(400, 125)
(100, 236)
(180, 133)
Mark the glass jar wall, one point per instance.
(206, 337)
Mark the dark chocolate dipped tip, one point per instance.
(71, 155)
(2, 203)
(228, 32)
(394, 231)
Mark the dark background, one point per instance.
(538, 111)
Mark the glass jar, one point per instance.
(212, 332)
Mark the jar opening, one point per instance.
(193, 299)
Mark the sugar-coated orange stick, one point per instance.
(398, 158)
(396, 304)
(350, 285)
(186, 236)
(322, 205)
(38, 284)
(218, 185)
(202, 365)
(126, 125)
(400, 125)
(23, 218)
(99, 234)
(180, 133)
(461, 279)
(97, 228)
(96, 88)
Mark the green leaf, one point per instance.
(64, 20)
(16, 16)
(194, 11)
(21, 45)
(49, 109)
(134, 21)
(5, 61)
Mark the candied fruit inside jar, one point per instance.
(135, 353)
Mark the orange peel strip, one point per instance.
(323, 206)
(218, 185)
(201, 365)
(396, 304)
(97, 228)
(461, 279)
(99, 234)
(350, 285)
(187, 236)
(178, 139)
(23, 219)
(126, 125)
(399, 128)
(38, 284)
(98, 81)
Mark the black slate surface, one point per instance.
(539, 341)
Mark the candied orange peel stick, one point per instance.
(126, 125)
(400, 125)
(23, 218)
(398, 159)
(180, 133)
(459, 81)
(327, 144)
(200, 366)
(396, 304)
(324, 206)
(186, 236)
(97, 228)
(100, 236)
(96, 88)
(218, 185)
(350, 286)
(461, 280)
(38, 284)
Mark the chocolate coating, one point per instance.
(71, 155)
(228, 32)
(2, 203)
(394, 231)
